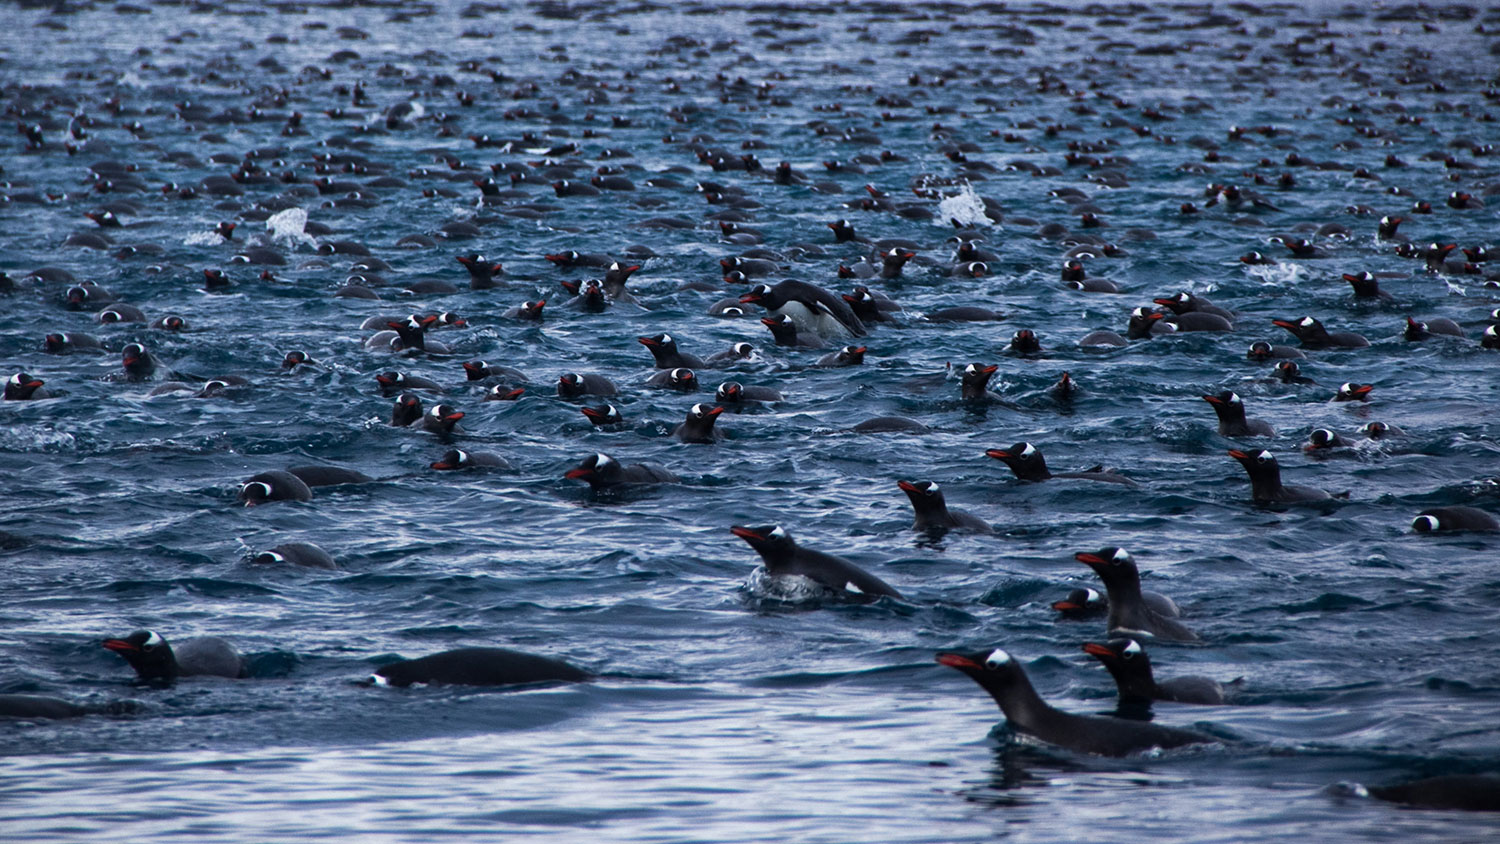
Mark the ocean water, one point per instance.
(724, 710)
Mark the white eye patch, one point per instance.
(1307, 322)
(1121, 555)
(153, 640)
(1028, 451)
(1132, 649)
(778, 533)
(997, 658)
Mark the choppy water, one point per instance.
(722, 715)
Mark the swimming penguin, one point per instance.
(456, 459)
(733, 392)
(1366, 286)
(664, 349)
(1349, 391)
(1314, 336)
(1260, 350)
(1130, 613)
(298, 554)
(681, 379)
(588, 296)
(1232, 420)
(1465, 792)
(478, 370)
(614, 280)
(138, 363)
(998, 673)
(974, 384)
(1144, 323)
(393, 383)
(411, 333)
(1186, 302)
(847, 356)
(274, 485)
(1128, 663)
(1288, 372)
(1457, 517)
(478, 667)
(578, 259)
(1026, 461)
(527, 311)
(784, 557)
(1082, 604)
(1265, 480)
(813, 309)
(786, 333)
(156, 661)
(603, 415)
(572, 385)
(933, 512)
(482, 273)
(22, 387)
(698, 427)
(602, 472)
(408, 409)
(736, 352)
(442, 419)
(120, 312)
(1417, 331)
(1322, 439)
(1025, 342)
(68, 342)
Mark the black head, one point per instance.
(1114, 566)
(444, 416)
(501, 392)
(1304, 328)
(135, 359)
(770, 541)
(595, 469)
(996, 671)
(924, 495)
(763, 295)
(730, 391)
(604, 414)
(453, 459)
(852, 355)
(570, 385)
(683, 379)
(21, 386)
(1081, 602)
(1260, 464)
(1128, 663)
(1260, 350)
(1228, 405)
(1349, 391)
(976, 376)
(1288, 370)
(1024, 459)
(408, 409)
(1322, 438)
(1025, 342)
(148, 653)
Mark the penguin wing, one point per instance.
(843, 576)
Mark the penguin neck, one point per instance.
(1020, 703)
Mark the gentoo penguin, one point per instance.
(138, 363)
(408, 409)
(393, 383)
(933, 513)
(602, 472)
(1313, 335)
(1026, 461)
(1418, 331)
(974, 383)
(22, 387)
(411, 333)
(442, 419)
(787, 334)
(1323, 439)
(1350, 391)
(783, 556)
(478, 370)
(698, 427)
(1232, 420)
(572, 385)
(1129, 612)
(527, 311)
(156, 661)
(297, 554)
(1265, 480)
(602, 415)
(588, 296)
(457, 459)
(664, 350)
(1457, 517)
(1288, 372)
(1128, 663)
(477, 667)
(35, 707)
(614, 280)
(733, 392)
(1186, 302)
(1260, 350)
(1366, 286)
(275, 485)
(1082, 604)
(681, 378)
(578, 259)
(815, 310)
(998, 673)
(482, 273)
(739, 351)
(1465, 792)
(1025, 342)
(847, 356)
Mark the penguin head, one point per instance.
(979, 373)
(604, 414)
(1375, 430)
(569, 384)
(742, 350)
(444, 415)
(1080, 601)
(268, 558)
(770, 541)
(1259, 350)
(255, 492)
(663, 342)
(730, 391)
(1321, 438)
(1018, 455)
(474, 369)
(761, 293)
(392, 380)
(994, 669)
(1286, 370)
(21, 385)
(1426, 523)
(452, 459)
(852, 354)
(1025, 340)
(702, 411)
(1350, 391)
(683, 379)
(923, 494)
(1257, 463)
(148, 653)
(1225, 400)
(594, 468)
(133, 356)
(1108, 558)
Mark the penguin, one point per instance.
(812, 308)
(681, 379)
(527, 311)
(602, 416)
(1198, 321)
(733, 392)
(1380, 430)
(739, 351)
(847, 356)
(1025, 343)
(1322, 439)
(23, 387)
(393, 383)
(1386, 229)
(572, 258)
(42, 707)
(964, 313)
(1130, 614)
(787, 334)
(1465, 792)
(315, 476)
(67, 342)
(869, 306)
(1186, 302)
(1262, 351)
(482, 273)
(974, 383)
(1458, 517)
(572, 385)
(478, 370)
(843, 232)
(411, 333)
(1232, 420)
(1288, 372)
(588, 296)
(120, 312)
(1366, 286)
(1491, 338)
(1026, 461)
(1145, 323)
(456, 459)
(1313, 335)
(138, 364)
(1265, 480)
(477, 667)
(156, 661)
(998, 673)
(303, 554)
(441, 419)
(614, 280)
(698, 427)
(1082, 604)
(274, 485)
(664, 349)
(933, 512)
(1349, 391)
(408, 409)
(603, 472)
(1128, 663)
(784, 557)
(1418, 331)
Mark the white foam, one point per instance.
(964, 208)
(202, 239)
(286, 227)
(1286, 273)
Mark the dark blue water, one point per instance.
(722, 713)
